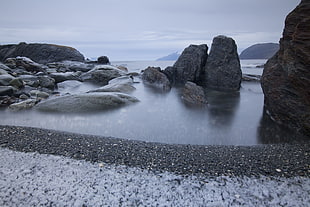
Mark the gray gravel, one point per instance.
(93, 171)
(33, 179)
(285, 160)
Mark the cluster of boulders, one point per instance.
(286, 76)
(195, 70)
(25, 83)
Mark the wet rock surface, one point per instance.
(189, 65)
(286, 76)
(194, 95)
(282, 160)
(156, 78)
(86, 102)
(223, 70)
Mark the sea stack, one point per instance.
(286, 76)
(223, 70)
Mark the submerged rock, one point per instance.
(286, 76)
(156, 78)
(194, 95)
(223, 70)
(189, 65)
(86, 102)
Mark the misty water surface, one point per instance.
(230, 119)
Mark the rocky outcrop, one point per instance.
(260, 51)
(286, 76)
(40, 53)
(86, 102)
(194, 95)
(223, 70)
(156, 78)
(189, 65)
(24, 82)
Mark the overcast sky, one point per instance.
(141, 29)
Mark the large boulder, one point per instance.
(86, 102)
(40, 53)
(223, 70)
(156, 78)
(189, 65)
(194, 95)
(286, 76)
(102, 74)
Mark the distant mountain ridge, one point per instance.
(260, 51)
(172, 56)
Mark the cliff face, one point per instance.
(286, 77)
(40, 53)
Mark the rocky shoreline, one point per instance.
(281, 160)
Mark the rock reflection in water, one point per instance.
(269, 132)
(222, 107)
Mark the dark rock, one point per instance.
(103, 60)
(86, 102)
(30, 80)
(260, 51)
(25, 63)
(194, 95)
(223, 70)
(102, 74)
(153, 76)
(189, 65)
(286, 76)
(47, 82)
(7, 100)
(40, 53)
(6, 90)
(36, 81)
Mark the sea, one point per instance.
(230, 118)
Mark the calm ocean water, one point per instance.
(230, 118)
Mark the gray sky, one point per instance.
(141, 29)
